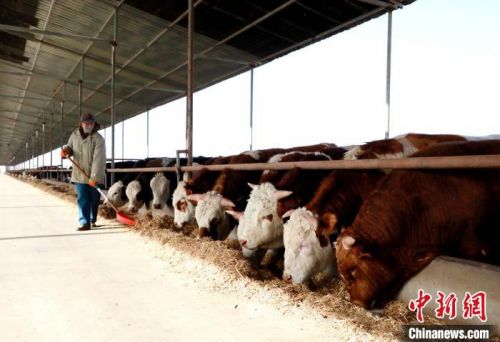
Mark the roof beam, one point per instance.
(138, 53)
(26, 85)
(213, 47)
(380, 3)
(10, 28)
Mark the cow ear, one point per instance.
(236, 214)
(252, 185)
(347, 242)
(226, 202)
(279, 194)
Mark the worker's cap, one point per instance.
(87, 117)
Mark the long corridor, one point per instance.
(58, 284)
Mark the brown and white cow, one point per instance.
(400, 146)
(276, 193)
(232, 184)
(414, 216)
(334, 205)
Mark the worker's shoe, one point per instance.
(85, 226)
(93, 224)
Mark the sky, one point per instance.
(445, 79)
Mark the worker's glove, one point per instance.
(66, 151)
(92, 182)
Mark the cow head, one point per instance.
(240, 217)
(160, 186)
(132, 191)
(210, 213)
(116, 194)
(305, 253)
(183, 208)
(367, 276)
(263, 227)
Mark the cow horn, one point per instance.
(279, 194)
(348, 242)
(288, 213)
(252, 185)
(226, 202)
(311, 219)
(236, 214)
(196, 197)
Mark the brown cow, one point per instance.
(414, 216)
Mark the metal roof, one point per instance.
(230, 37)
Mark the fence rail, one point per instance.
(454, 162)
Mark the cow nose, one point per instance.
(287, 277)
(157, 206)
(133, 209)
(243, 242)
(203, 231)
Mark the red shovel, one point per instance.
(120, 216)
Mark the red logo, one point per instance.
(475, 305)
(447, 305)
(419, 304)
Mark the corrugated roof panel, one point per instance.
(149, 58)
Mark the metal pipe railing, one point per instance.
(454, 162)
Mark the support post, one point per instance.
(33, 150)
(147, 133)
(80, 88)
(113, 56)
(26, 160)
(51, 133)
(123, 139)
(189, 95)
(388, 75)
(251, 109)
(36, 150)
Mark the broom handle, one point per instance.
(78, 167)
(85, 173)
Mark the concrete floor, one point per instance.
(58, 284)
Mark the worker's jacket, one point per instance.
(90, 154)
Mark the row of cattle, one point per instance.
(376, 229)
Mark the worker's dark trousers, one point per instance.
(88, 203)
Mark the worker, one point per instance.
(88, 149)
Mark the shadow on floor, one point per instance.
(66, 235)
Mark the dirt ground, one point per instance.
(222, 269)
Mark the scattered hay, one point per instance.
(107, 212)
(327, 298)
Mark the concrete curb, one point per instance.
(453, 275)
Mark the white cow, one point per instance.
(304, 255)
(184, 209)
(116, 194)
(262, 227)
(210, 214)
(160, 186)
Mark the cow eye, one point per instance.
(269, 217)
(352, 275)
